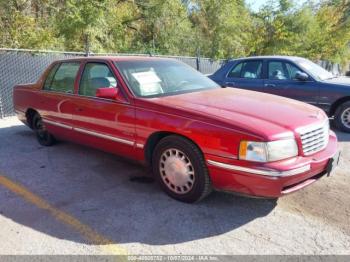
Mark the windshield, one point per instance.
(315, 70)
(153, 78)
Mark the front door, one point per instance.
(281, 81)
(107, 124)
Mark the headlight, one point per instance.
(268, 151)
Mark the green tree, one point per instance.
(319, 29)
(162, 27)
(25, 24)
(316, 31)
(82, 24)
(222, 28)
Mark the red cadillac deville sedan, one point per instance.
(194, 134)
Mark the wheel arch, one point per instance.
(154, 139)
(30, 113)
(337, 103)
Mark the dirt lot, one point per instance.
(69, 199)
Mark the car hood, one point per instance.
(264, 115)
(345, 81)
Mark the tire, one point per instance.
(43, 136)
(342, 117)
(180, 169)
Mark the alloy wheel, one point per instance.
(345, 117)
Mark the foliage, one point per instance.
(222, 28)
(318, 29)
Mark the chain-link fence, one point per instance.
(26, 66)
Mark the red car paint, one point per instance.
(215, 120)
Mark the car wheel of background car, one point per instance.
(342, 117)
(180, 169)
(43, 136)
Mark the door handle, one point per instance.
(270, 85)
(230, 83)
(78, 109)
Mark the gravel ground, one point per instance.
(69, 199)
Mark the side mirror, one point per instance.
(107, 92)
(301, 76)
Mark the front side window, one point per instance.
(96, 75)
(279, 70)
(62, 79)
(249, 70)
(162, 77)
(292, 71)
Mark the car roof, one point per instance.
(114, 58)
(291, 58)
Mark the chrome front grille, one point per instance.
(314, 139)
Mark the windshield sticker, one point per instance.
(149, 83)
(146, 77)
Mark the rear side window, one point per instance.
(248, 70)
(61, 78)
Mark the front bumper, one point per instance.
(270, 179)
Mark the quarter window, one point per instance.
(249, 70)
(96, 75)
(50, 76)
(61, 78)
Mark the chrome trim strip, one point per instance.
(318, 128)
(271, 173)
(139, 145)
(116, 139)
(84, 131)
(311, 127)
(57, 124)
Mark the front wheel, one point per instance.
(43, 136)
(342, 117)
(180, 169)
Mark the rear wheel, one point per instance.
(180, 169)
(342, 117)
(43, 136)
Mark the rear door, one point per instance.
(246, 74)
(281, 81)
(107, 124)
(56, 97)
